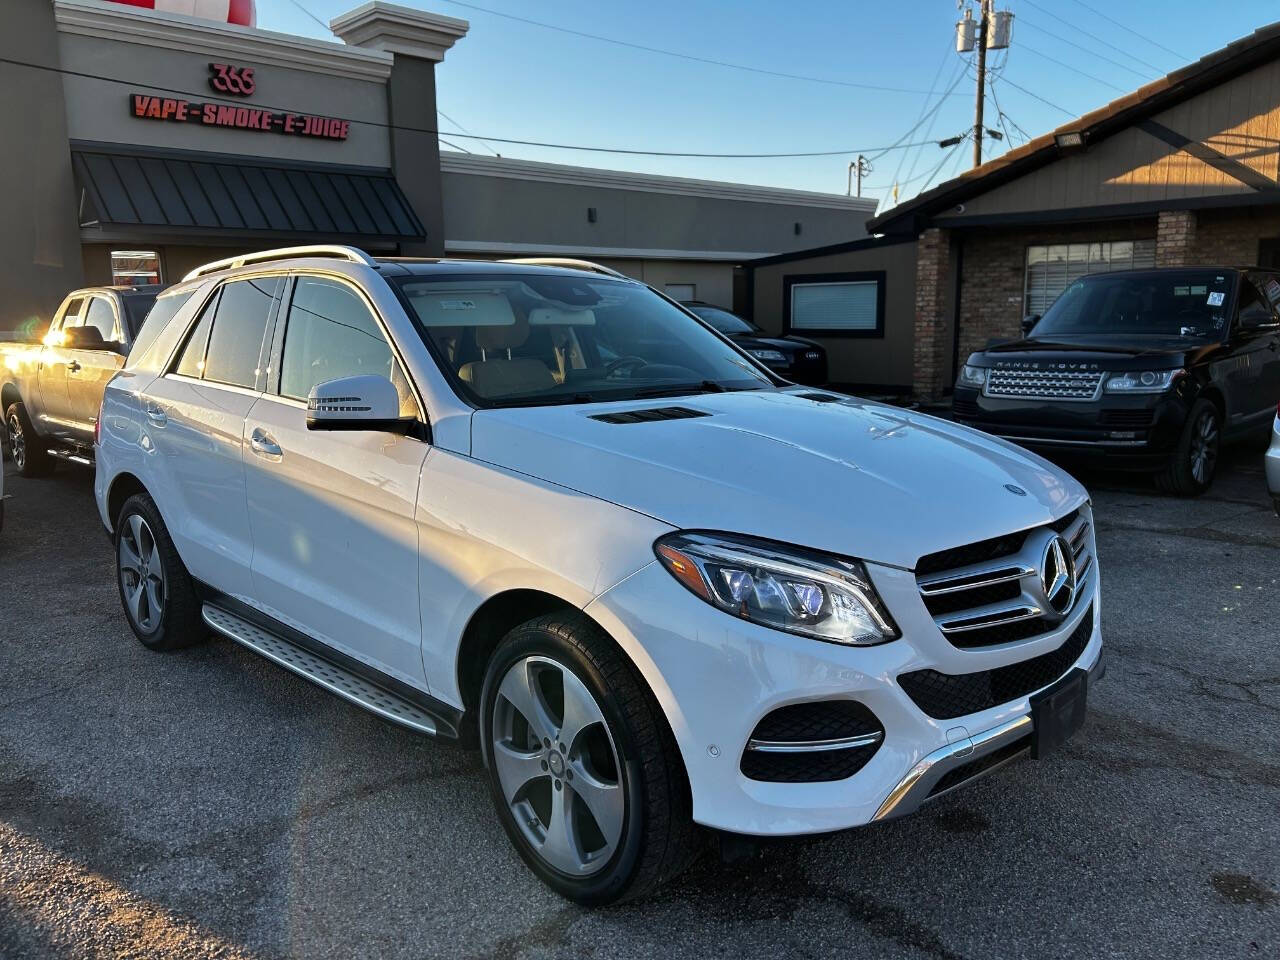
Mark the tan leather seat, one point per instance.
(499, 374)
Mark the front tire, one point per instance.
(156, 591)
(25, 446)
(583, 769)
(1195, 460)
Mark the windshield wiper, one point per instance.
(705, 386)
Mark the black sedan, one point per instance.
(793, 358)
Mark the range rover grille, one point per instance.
(1043, 384)
(992, 592)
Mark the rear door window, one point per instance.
(101, 315)
(239, 327)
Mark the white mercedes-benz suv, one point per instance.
(545, 509)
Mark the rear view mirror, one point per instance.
(356, 403)
(1029, 322)
(1256, 315)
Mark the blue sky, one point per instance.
(516, 80)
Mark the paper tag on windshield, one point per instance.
(1216, 298)
(471, 304)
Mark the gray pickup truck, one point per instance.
(50, 391)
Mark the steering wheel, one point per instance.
(623, 363)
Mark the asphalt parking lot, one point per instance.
(206, 803)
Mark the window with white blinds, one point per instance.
(1053, 268)
(837, 306)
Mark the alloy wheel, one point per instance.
(558, 766)
(142, 581)
(17, 442)
(1204, 447)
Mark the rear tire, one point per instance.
(1195, 460)
(25, 446)
(607, 815)
(156, 591)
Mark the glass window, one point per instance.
(332, 334)
(1051, 269)
(191, 363)
(836, 306)
(136, 308)
(132, 268)
(240, 323)
(101, 315)
(152, 322)
(71, 318)
(724, 321)
(543, 338)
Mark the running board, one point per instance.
(322, 672)
(69, 455)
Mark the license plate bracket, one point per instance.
(1058, 712)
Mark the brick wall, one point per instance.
(929, 348)
(1175, 238)
(1231, 236)
(992, 277)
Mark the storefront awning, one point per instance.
(233, 197)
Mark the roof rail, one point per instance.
(569, 263)
(339, 251)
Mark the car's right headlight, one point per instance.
(787, 588)
(971, 376)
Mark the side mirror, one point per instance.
(83, 338)
(1255, 315)
(356, 403)
(1029, 322)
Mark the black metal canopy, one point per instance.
(234, 196)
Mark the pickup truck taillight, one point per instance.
(97, 424)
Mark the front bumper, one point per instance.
(1272, 464)
(1126, 432)
(716, 677)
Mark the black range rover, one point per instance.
(1144, 369)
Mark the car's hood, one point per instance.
(1109, 353)
(851, 477)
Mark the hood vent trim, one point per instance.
(650, 415)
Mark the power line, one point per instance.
(933, 118)
(1142, 36)
(685, 56)
(1093, 36)
(465, 131)
(1073, 69)
(1036, 96)
(204, 95)
(323, 26)
(454, 145)
(1080, 46)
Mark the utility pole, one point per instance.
(991, 30)
(861, 167)
(982, 81)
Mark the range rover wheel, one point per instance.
(1195, 460)
(25, 448)
(156, 592)
(584, 771)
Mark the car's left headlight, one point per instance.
(971, 376)
(787, 588)
(1142, 381)
(769, 356)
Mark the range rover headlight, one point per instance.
(972, 376)
(1142, 381)
(787, 588)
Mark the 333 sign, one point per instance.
(236, 81)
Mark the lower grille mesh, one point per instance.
(800, 722)
(944, 696)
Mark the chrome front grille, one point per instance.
(1043, 384)
(999, 595)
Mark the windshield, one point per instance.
(727, 323)
(511, 340)
(1164, 303)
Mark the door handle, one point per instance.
(261, 443)
(73, 366)
(155, 413)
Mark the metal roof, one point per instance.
(237, 197)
